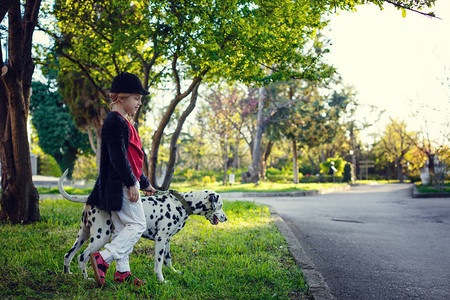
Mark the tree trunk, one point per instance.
(266, 155)
(19, 197)
(256, 153)
(295, 165)
(68, 161)
(174, 143)
(399, 170)
(224, 162)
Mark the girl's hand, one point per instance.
(149, 191)
(134, 193)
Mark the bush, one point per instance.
(415, 178)
(85, 168)
(306, 169)
(280, 178)
(339, 164)
(273, 171)
(347, 173)
(209, 179)
(376, 177)
(47, 166)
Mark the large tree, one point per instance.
(19, 197)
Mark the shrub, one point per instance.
(347, 173)
(320, 179)
(414, 178)
(209, 179)
(85, 167)
(47, 166)
(339, 164)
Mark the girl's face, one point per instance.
(131, 103)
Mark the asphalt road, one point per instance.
(374, 242)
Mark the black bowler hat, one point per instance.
(128, 83)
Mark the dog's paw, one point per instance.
(167, 282)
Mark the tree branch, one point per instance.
(430, 15)
(85, 72)
(173, 142)
(115, 63)
(175, 72)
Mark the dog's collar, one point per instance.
(183, 201)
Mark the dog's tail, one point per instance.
(79, 199)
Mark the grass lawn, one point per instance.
(431, 189)
(218, 187)
(250, 187)
(243, 258)
(379, 181)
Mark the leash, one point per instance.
(180, 198)
(183, 201)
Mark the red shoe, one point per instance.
(100, 267)
(127, 277)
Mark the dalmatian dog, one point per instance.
(166, 215)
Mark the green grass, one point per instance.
(250, 187)
(70, 190)
(379, 181)
(430, 189)
(243, 258)
(218, 187)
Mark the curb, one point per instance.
(416, 194)
(317, 286)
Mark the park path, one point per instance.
(373, 242)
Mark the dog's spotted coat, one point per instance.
(165, 216)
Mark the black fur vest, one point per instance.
(115, 169)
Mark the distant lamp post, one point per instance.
(353, 170)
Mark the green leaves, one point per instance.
(58, 136)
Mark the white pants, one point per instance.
(129, 224)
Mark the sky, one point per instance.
(398, 64)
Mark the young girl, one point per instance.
(117, 187)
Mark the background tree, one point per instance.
(397, 141)
(58, 136)
(86, 106)
(225, 113)
(19, 197)
(311, 122)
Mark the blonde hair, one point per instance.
(115, 98)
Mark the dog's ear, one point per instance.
(213, 198)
